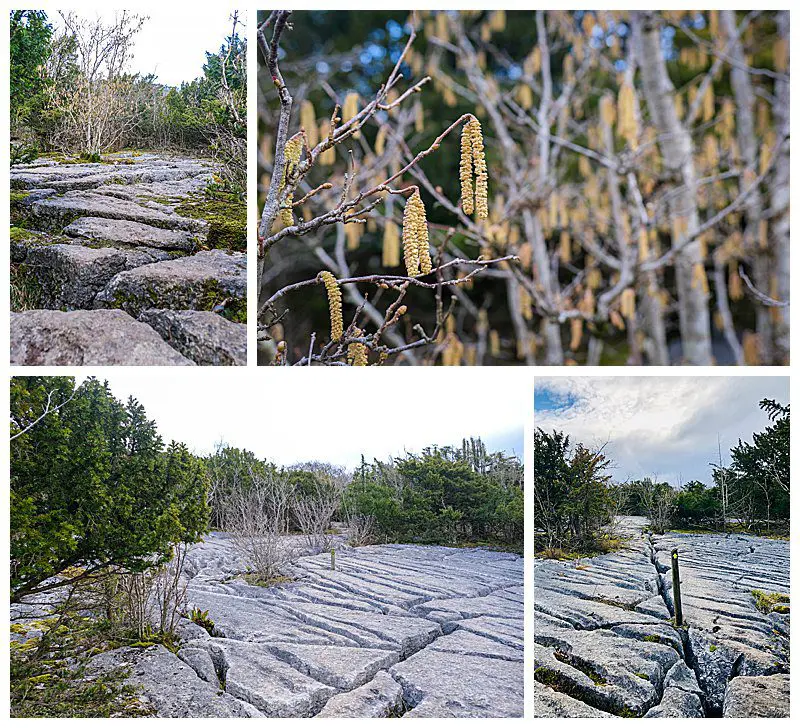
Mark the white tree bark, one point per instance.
(747, 141)
(779, 203)
(676, 150)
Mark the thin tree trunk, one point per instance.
(779, 203)
(676, 150)
(748, 149)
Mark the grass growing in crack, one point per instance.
(594, 676)
(601, 546)
(652, 638)
(767, 602)
(260, 580)
(201, 619)
(551, 678)
(50, 676)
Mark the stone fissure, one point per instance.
(336, 644)
(593, 658)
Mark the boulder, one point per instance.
(381, 697)
(202, 336)
(55, 213)
(438, 686)
(759, 696)
(70, 276)
(84, 338)
(170, 685)
(208, 279)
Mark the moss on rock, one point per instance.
(226, 216)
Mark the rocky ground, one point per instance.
(125, 262)
(606, 644)
(395, 630)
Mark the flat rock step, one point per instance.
(211, 278)
(128, 232)
(91, 338)
(55, 213)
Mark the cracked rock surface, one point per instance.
(606, 643)
(418, 631)
(109, 235)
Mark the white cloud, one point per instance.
(662, 426)
(295, 415)
(173, 42)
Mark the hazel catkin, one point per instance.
(291, 153)
(416, 253)
(473, 160)
(334, 303)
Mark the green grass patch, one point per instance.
(49, 675)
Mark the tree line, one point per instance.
(71, 91)
(578, 504)
(96, 491)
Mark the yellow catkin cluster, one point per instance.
(334, 304)
(781, 55)
(708, 104)
(380, 140)
(356, 351)
(465, 173)
(308, 121)
(627, 304)
(473, 160)
(352, 233)
(453, 351)
(350, 109)
(564, 247)
(416, 252)
(291, 153)
(644, 246)
(328, 157)
(524, 95)
(575, 333)
(751, 348)
(627, 123)
(494, 342)
(419, 118)
(699, 279)
(391, 245)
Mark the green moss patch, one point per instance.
(226, 216)
(767, 602)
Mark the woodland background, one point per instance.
(72, 92)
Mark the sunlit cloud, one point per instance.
(668, 427)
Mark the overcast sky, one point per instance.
(294, 416)
(665, 427)
(173, 42)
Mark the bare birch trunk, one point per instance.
(779, 203)
(676, 149)
(551, 330)
(748, 149)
